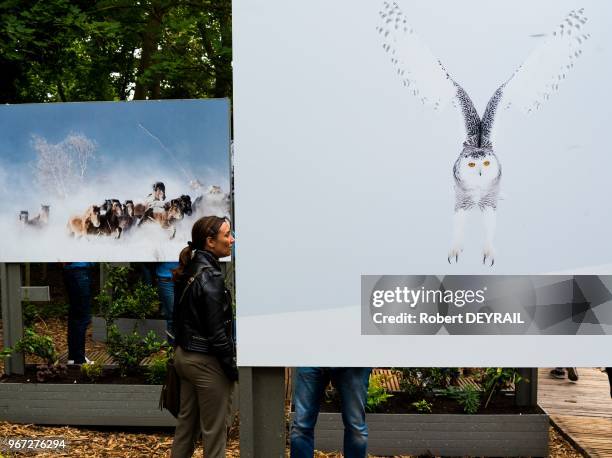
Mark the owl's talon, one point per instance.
(488, 257)
(454, 254)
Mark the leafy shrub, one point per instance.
(37, 345)
(129, 349)
(115, 285)
(42, 347)
(118, 299)
(377, 393)
(93, 370)
(416, 381)
(468, 397)
(6, 352)
(422, 406)
(33, 312)
(156, 370)
(495, 379)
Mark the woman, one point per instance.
(205, 356)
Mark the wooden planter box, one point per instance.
(62, 404)
(85, 404)
(443, 434)
(125, 325)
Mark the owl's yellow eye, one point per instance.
(487, 163)
(471, 164)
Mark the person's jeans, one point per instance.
(78, 286)
(352, 385)
(165, 291)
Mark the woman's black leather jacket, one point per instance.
(203, 319)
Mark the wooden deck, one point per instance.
(581, 410)
(102, 357)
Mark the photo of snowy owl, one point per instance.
(477, 171)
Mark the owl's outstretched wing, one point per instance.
(486, 126)
(420, 72)
(543, 72)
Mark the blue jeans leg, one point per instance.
(352, 385)
(78, 286)
(310, 386)
(165, 291)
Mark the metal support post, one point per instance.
(527, 390)
(262, 412)
(12, 318)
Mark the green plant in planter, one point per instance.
(495, 379)
(416, 381)
(120, 299)
(146, 301)
(46, 372)
(422, 406)
(6, 352)
(467, 397)
(33, 312)
(129, 349)
(93, 370)
(156, 370)
(35, 344)
(43, 347)
(377, 393)
(115, 286)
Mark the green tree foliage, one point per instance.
(77, 50)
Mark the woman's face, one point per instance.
(221, 246)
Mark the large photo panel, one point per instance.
(419, 138)
(110, 181)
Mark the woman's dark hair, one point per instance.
(207, 226)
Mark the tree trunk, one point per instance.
(60, 91)
(223, 66)
(150, 40)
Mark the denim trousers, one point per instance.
(165, 291)
(78, 286)
(352, 386)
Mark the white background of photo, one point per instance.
(341, 172)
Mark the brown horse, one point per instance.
(80, 226)
(166, 219)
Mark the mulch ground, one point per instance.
(98, 443)
(136, 443)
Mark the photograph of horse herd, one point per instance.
(113, 218)
(110, 181)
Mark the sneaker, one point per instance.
(558, 372)
(71, 362)
(572, 374)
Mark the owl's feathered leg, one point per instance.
(458, 229)
(489, 216)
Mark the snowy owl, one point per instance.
(477, 171)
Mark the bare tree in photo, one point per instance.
(60, 168)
